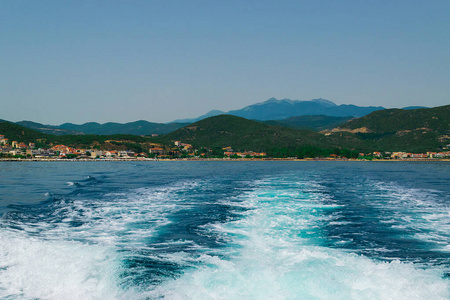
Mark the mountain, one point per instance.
(240, 133)
(274, 109)
(316, 123)
(19, 133)
(435, 119)
(49, 129)
(134, 128)
(416, 130)
(413, 107)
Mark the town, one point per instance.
(20, 151)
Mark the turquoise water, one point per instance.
(224, 230)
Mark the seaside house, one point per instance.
(377, 154)
(96, 153)
(110, 154)
(156, 151)
(227, 149)
(122, 154)
(418, 155)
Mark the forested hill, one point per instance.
(19, 133)
(314, 122)
(418, 130)
(135, 128)
(240, 133)
(435, 119)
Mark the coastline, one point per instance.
(222, 159)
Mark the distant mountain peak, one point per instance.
(275, 109)
(321, 101)
(324, 102)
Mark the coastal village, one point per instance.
(13, 150)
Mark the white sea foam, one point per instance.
(273, 251)
(271, 255)
(35, 268)
(419, 211)
(52, 259)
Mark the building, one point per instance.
(156, 151)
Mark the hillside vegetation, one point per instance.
(418, 130)
(49, 129)
(315, 122)
(243, 134)
(435, 119)
(19, 133)
(135, 128)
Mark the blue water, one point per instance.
(224, 230)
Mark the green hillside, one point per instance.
(49, 129)
(418, 130)
(135, 128)
(243, 134)
(436, 119)
(316, 123)
(19, 133)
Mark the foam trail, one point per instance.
(275, 252)
(77, 248)
(33, 268)
(221, 239)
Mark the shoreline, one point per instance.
(222, 159)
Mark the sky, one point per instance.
(155, 60)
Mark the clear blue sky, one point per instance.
(79, 61)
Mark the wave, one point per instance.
(290, 236)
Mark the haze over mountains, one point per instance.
(274, 109)
(418, 130)
(316, 114)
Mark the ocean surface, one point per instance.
(224, 230)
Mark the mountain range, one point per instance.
(316, 114)
(274, 109)
(135, 128)
(415, 130)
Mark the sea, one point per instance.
(225, 230)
